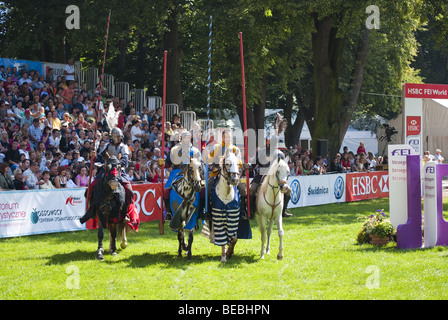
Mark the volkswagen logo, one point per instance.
(295, 191)
(339, 187)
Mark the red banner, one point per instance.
(368, 185)
(148, 200)
(428, 91)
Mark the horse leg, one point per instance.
(124, 240)
(100, 250)
(190, 242)
(262, 224)
(280, 237)
(269, 231)
(223, 254)
(231, 248)
(180, 238)
(113, 239)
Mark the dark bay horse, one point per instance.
(108, 203)
(185, 203)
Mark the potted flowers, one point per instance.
(376, 230)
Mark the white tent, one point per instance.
(434, 123)
(353, 137)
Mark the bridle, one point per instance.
(278, 187)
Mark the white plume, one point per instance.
(112, 117)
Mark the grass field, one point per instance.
(322, 261)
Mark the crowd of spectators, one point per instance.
(301, 162)
(49, 125)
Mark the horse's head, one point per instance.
(112, 172)
(192, 173)
(282, 174)
(230, 168)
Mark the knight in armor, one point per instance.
(116, 148)
(179, 155)
(213, 158)
(264, 160)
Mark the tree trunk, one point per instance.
(171, 42)
(293, 130)
(327, 50)
(121, 67)
(260, 108)
(356, 82)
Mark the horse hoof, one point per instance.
(124, 245)
(114, 253)
(279, 257)
(223, 259)
(189, 257)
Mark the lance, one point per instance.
(92, 158)
(208, 110)
(246, 150)
(163, 138)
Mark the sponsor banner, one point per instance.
(148, 200)
(398, 182)
(57, 67)
(316, 189)
(21, 65)
(426, 91)
(369, 185)
(42, 211)
(413, 126)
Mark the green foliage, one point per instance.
(277, 45)
(375, 224)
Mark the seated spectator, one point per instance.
(345, 162)
(292, 169)
(336, 165)
(46, 181)
(319, 168)
(438, 157)
(81, 180)
(5, 178)
(356, 166)
(19, 180)
(372, 162)
(361, 148)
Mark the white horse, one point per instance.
(269, 203)
(226, 205)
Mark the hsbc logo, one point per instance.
(413, 122)
(370, 185)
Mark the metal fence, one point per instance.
(170, 110)
(108, 84)
(138, 98)
(122, 91)
(187, 119)
(90, 76)
(154, 103)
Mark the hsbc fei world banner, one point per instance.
(43, 211)
(369, 185)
